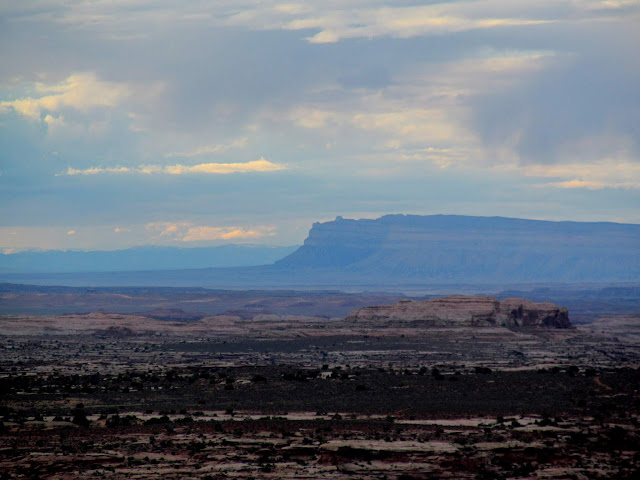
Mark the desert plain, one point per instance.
(175, 394)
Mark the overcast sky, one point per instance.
(137, 122)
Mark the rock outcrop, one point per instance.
(466, 311)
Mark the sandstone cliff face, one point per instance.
(467, 311)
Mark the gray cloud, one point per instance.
(591, 93)
(373, 107)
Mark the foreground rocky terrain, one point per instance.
(103, 395)
(242, 427)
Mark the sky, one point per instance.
(139, 122)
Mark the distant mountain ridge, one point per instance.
(409, 252)
(452, 248)
(141, 258)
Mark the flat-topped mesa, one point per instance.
(466, 311)
(447, 249)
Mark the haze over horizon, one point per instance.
(201, 124)
(385, 253)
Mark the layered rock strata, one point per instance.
(466, 311)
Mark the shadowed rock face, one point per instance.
(461, 249)
(524, 313)
(467, 311)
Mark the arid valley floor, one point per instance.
(173, 395)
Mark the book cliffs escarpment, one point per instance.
(460, 249)
(466, 311)
(402, 252)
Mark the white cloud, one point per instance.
(595, 175)
(401, 22)
(312, 117)
(189, 232)
(211, 149)
(610, 4)
(423, 117)
(336, 21)
(593, 162)
(54, 121)
(93, 171)
(424, 112)
(196, 234)
(80, 91)
(333, 20)
(261, 165)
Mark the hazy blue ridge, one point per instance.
(141, 259)
(410, 251)
(452, 248)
